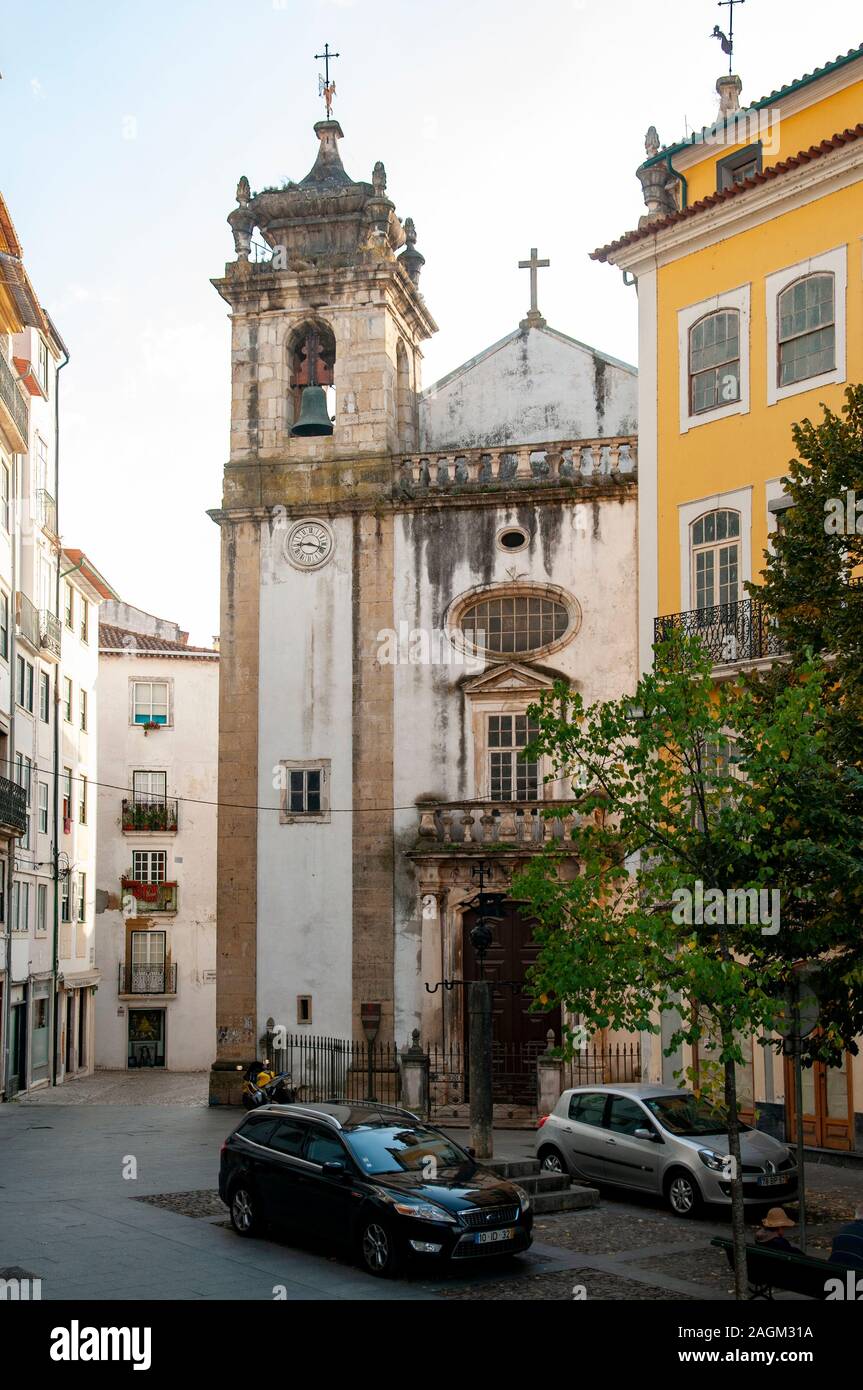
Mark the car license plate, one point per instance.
(492, 1237)
(771, 1180)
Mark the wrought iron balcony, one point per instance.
(13, 807)
(46, 509)
(728, 631)
(147, 979)
(50, 632)
(475, 826)
(14, 410)
(151, 897)
(142, 813)
(28, 621)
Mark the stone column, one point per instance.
(237, 839)
(549, 1078)
(415, 1077)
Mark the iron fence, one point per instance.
(13, 806)
(593, 1066)
(50, 631)
(325, 1068)
(740, 631)
(149, 812)
(147, 979)
(15, 402)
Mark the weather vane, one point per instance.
(326, 88)
(727, 40)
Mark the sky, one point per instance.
(502, 126)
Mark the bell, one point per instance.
(313, 417)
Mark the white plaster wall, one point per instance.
(587, 549)
(187, 752)
(535, 386)
(305, 711)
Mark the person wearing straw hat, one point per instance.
(771, 1232)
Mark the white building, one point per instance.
(48, 664)
(156, 911)
(396, 592)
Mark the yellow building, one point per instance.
(749, 277)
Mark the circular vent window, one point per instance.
(515, 623)
(513, 538)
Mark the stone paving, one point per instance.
(68, 1214)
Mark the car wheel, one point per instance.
(377, 1249)
(245, 1211)
(682, 1193)
(553, 1161)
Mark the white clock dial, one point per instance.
(309, 544)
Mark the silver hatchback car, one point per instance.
(662, 1140)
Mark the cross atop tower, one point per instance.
(534, 317)
(727, 40)
(326, 88)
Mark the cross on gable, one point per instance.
(534, 264)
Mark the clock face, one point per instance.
(309, 544)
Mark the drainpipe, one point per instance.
(55, 955)
(684, 186)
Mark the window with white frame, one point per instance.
(42, 364)
(714, 361)
(806, 324)
(70, 605)
(82, 707)
(807, 329)
(149, 702)
(4, 495)
(45, 697)
(85, 620)
(149, 865)
(149, 788)
(713, 358)
(42, 909)
(81, 905)
(82, 800)
(67, 699)
(715, 552)
(67, 793)
(511, 777)
(43, 808)
(4, 625)
(65, 910)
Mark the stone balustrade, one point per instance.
(578, 461)
(470, 824)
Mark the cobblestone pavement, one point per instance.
(148, 1087)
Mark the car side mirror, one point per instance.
(337, 1168)
(646, 1134)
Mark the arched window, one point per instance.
(715, 549)
(405, 400)
(312, 361)
(807, 328)
(714, 361)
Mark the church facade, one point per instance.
(398, 586)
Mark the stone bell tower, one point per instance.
(323, 294)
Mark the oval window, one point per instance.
(513, 538)
(514, 623)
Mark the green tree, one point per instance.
(691, 786)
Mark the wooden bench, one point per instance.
(767, 1270)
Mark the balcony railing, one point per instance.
(46, 511)
(13, 807)
(576, 462)
(151, 897)
(729, 631)
(28, 621)
(50, 631)
(147, 979)
(473, 825)
(141, 813)
(17, 409)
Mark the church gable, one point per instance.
(535, 386)
(511, 679)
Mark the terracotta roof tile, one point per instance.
(785, 166)
(121, 639)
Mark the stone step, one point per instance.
(516, 1168)
(577, 1198)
